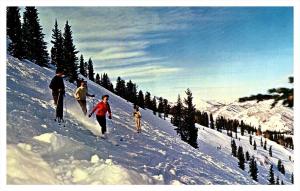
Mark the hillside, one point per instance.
(39, 151)
(280, 118)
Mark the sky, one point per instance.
(220, 53)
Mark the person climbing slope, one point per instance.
(101, 109)
(137, 118)
(80, 95)
(58, 91)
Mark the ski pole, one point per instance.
(66, 108)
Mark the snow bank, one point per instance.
(26, 167)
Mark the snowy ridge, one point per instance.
(73, 155)
(280, 118)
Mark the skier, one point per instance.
(80, 95)
(137, 118)
(58, 91)
(102, 108)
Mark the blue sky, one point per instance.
(220, 53)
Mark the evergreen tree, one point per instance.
(254, 145)
(279, 165)
(177, 115)
(160, 108)
(250, 140)
(261, 142)
(242, 128)
(35, 47)
(85, 66)
(81, 66)
(270, 151)
(247, 156)
(282, 170)
(70, 59)
(166, 107)
(292, 178)
(212, 123)
(91, 70)
(97, 80)
(241, 158)
(131, 91)
(14, 31)
(148, 103)
(271, 176)
(120, 87)
(282, 182)
(233, 148)
(265, 145)
(253, 169)
(188, 128)
(57, 49)
(154, 107)
(140, 100)
(277, 180)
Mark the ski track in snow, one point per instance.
(71, 153)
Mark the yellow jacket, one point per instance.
(80, 93)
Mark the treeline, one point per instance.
(27, 42)
(279, 138)
(27, 38)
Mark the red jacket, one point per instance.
(101, 109)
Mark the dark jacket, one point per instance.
(57, 85)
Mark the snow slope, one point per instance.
(279, 118)
(74, 155)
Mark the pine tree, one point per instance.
(241, 158)
(271, 176)
(160, 108)
(35, 47)
(177, 115)
(97, 80)
(148, 102)
(131, 92)
(81, 66)
(242, 128)
(254, 145)
(270, 151)
(212, 123)
(282, 183)
(120, 87)
(247, 156)
(282, 170)
(70, 59)
(265, 145)
(140, 99)
(167, 108)
(85, 66)
(253, 169)
(154, 107)
(57, 49)
(261, 142)
(233, 148)
(277, 180)
(91, 70)
(188, 128)
(279, 165)
(250, 140)
(292, 178)
(14, 31)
